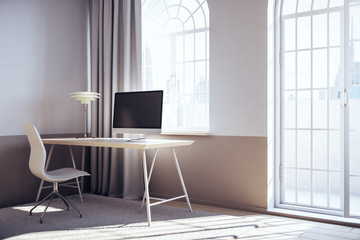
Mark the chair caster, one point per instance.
(40, 220)
(80, 215)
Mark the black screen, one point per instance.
(138, 109)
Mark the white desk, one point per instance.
(123, 143)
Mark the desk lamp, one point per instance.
(85, 98)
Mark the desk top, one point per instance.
(118, 142)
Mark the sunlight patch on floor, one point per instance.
(39, 209)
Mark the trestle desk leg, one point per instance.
(82, 166)
(77, 179)
(146, 183)
(150, 173)
(181, 180)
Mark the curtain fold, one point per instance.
(115, 60)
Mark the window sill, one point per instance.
(186, 132)
(315, 216)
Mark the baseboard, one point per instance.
(214, 203)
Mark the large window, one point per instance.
(319, 108)
(175, 58)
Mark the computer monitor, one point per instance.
(138, 112)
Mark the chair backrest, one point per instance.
(37, 151)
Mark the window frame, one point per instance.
(275, 117)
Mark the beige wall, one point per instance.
(217, 170)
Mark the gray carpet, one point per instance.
(114, 218)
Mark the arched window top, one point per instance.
(299, 6)
(171, 16)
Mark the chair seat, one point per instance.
(65, 174)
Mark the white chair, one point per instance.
(37, 167)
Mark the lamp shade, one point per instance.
(85, 97)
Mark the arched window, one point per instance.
(319, 105)
(175, 55)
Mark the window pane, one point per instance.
(335, 186)
(200, 80)
(200, 47)
(320, 4)
(180, 70)
(334, 109)
(335, 73)
(336, 3)
(199, 18)
(189, 78)
(289, 6)
(304, 69)
(290, 107)
(355, 195)
(304, 187)
(335, 150)
(290, 186)
(320, 149)
(320, 115)
(187, 111)
(189, 24)
(180, 48)
(289, 34)
(303, 36)
(304, 5)
(303, 149)
(190, 5)
(289, 70)
(320, 30)
(183, 14)
(334, 29)
(320, 68)
(303, 109)
(189, 47)
(354, 152)
(173, 10)
(354, 109)
(354, 21)
(290, 148)
(320, 188)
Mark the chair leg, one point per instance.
(51, 196)
(43, 215)
(68, 202)
(67, 205)
(41, 202)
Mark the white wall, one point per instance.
(42, 60)
(238, 70)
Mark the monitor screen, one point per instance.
(138, 112)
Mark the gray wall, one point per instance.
(42, 59)
(227, 168)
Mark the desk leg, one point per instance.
(150, 173)
(181, 180)
(77, 179)
(82, 167)
(146, 183)
(46, 167)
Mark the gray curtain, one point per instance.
(115, 50)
